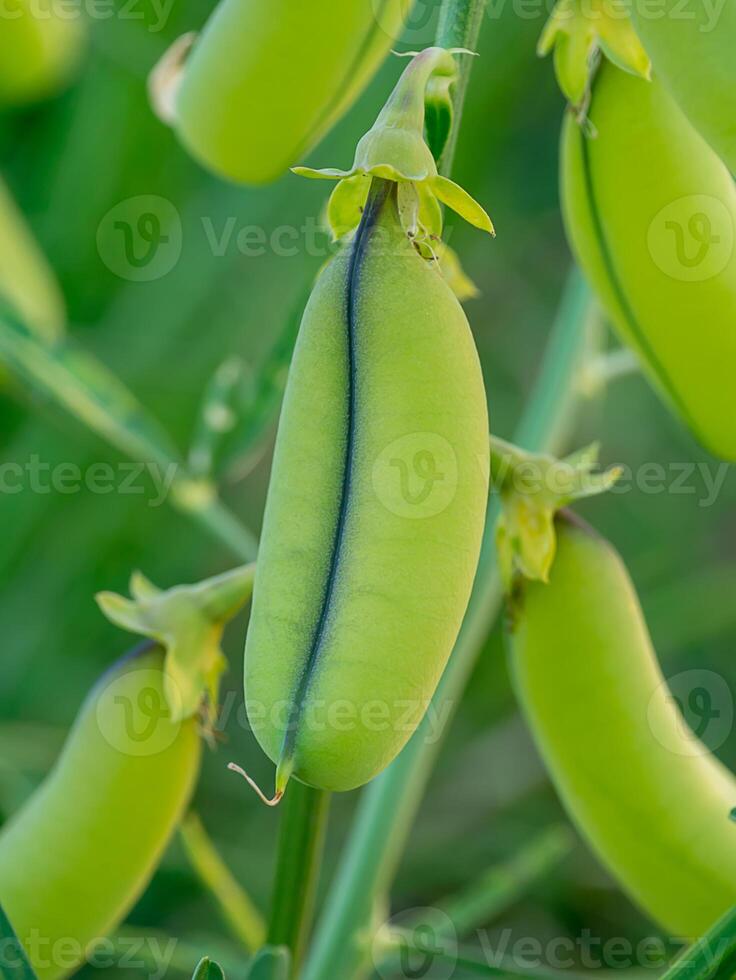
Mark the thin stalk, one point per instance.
(238, 909)
(304, 815)
(459, 27)
(389, 805)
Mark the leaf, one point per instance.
(14, 964)
(208, 969)
(85, 388)
(272, 963)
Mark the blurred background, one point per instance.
(247, 259)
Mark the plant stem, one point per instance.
(459, 27)
(389, 805)
(304, 815)
(240, 913)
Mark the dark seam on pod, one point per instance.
(377, 198)
(615, 281)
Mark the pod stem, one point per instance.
(459, 27)
(269, 801)
(302, 833)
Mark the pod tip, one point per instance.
(273, 801)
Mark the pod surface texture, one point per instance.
(375, 512)
(692, 49)
(265, 81)
(650, 799)
(651, 213)
(78, 854)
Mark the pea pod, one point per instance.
(651, 800)
(26, 281)
(651, 213)
(692, 49)
(75, 858)
(40, 47)
(379, 485)
(374, 515)
(266, 81)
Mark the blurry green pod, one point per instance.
(692, 48)
(650, 211)
(265, 81)
(647, 795)
(27, 283)
(78, 854)
(379, 484)
(41, 44)
(76, 857)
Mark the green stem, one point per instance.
(304, 815)
(459, 27)
(237, 907)
(389, 805)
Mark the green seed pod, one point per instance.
(26, 281)
(651, 800)
(75, 858)
(651, 213)
(40, 47)
(692, 49)
(374, 515)
(266, 81)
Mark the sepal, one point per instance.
(188, 622)
(578, 30)
(533, 488)
(395, 149)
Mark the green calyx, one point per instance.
(188, 622)
(533, 488)
(578, 31)
(396, 149)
